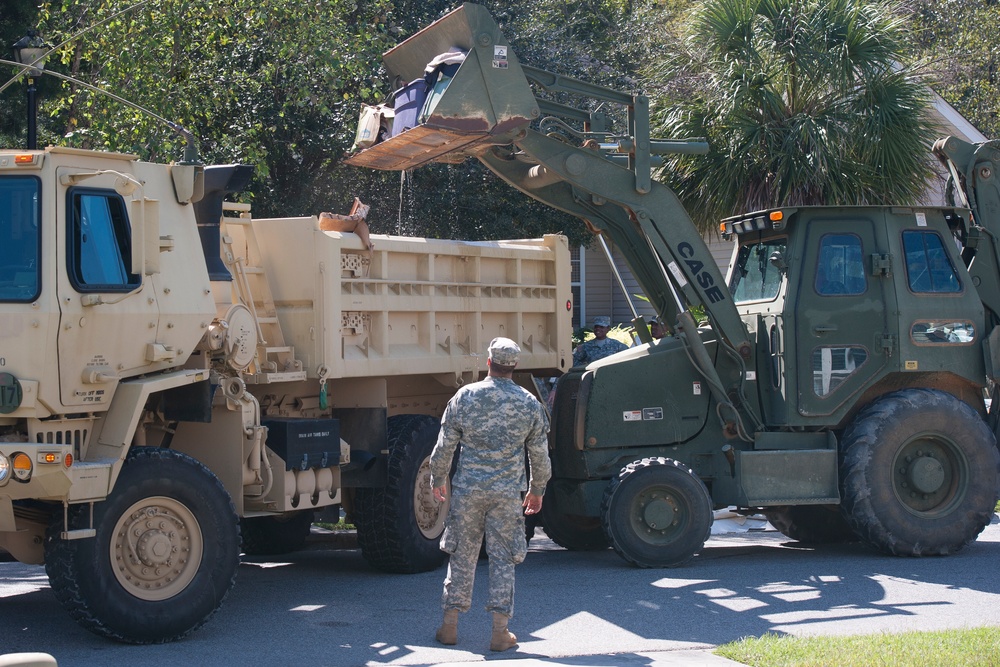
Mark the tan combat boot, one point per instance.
(503, 638)
(448, 632)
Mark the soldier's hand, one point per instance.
(441, 493)
(532, 503)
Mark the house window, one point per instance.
(576, 264)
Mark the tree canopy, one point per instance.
(278, 84)
(802, 102)
(959, 39)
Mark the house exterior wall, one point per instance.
(603, 295)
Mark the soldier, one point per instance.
(494, 420)
(599, 346)
(656, 329)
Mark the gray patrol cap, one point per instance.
(504, 351)
(602, 321)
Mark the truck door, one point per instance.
(840, 314)
(107, 314)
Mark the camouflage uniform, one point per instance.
(494, 420)
(595, 349)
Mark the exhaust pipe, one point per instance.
(220, 180)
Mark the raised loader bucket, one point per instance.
(444, 114)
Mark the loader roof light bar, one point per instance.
(752, 222)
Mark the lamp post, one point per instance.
(30, 50)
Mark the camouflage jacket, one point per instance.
(494, 420)
(595, 349)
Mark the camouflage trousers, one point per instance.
(500, 517)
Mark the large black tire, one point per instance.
(575, 532)
(275, 535)
(811, 524)
(657, 513)
(918, 474)
(400, 526)
(164, 558)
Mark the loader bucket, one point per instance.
(487, 101)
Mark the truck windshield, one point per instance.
(756, 277)
(20, 278)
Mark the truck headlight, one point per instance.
(22, 465)
(4, 468)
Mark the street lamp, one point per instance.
(30, 50)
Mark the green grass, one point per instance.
(339, 526)
(955, 648)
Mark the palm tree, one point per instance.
(802, 101)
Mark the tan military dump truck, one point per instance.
(172, 373)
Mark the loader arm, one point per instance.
(661, 244)
(975, 180)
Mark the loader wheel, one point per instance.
(657, 513)
(400, 526)
(164, 558)
(918, 474)
(274, 535)
(811, 524)
(575, 532)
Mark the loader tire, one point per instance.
(918, 474)
(275, 535)
(657, 513)
(399, 526)
(164, 558)
(811, 524)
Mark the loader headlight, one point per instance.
(4, 469)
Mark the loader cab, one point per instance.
(804, 284)
(844, 301)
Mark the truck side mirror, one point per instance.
(189, 182)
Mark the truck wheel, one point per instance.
(164, 558)
(274, 535)
(657, 513)
(918, 474)
(811, 524)
(400, 526)
(575, 532)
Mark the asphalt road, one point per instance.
(325, 607)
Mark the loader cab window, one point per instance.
(841, 270)
(20, 234)
(928, 268)
(759, 271)
(100, 243)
